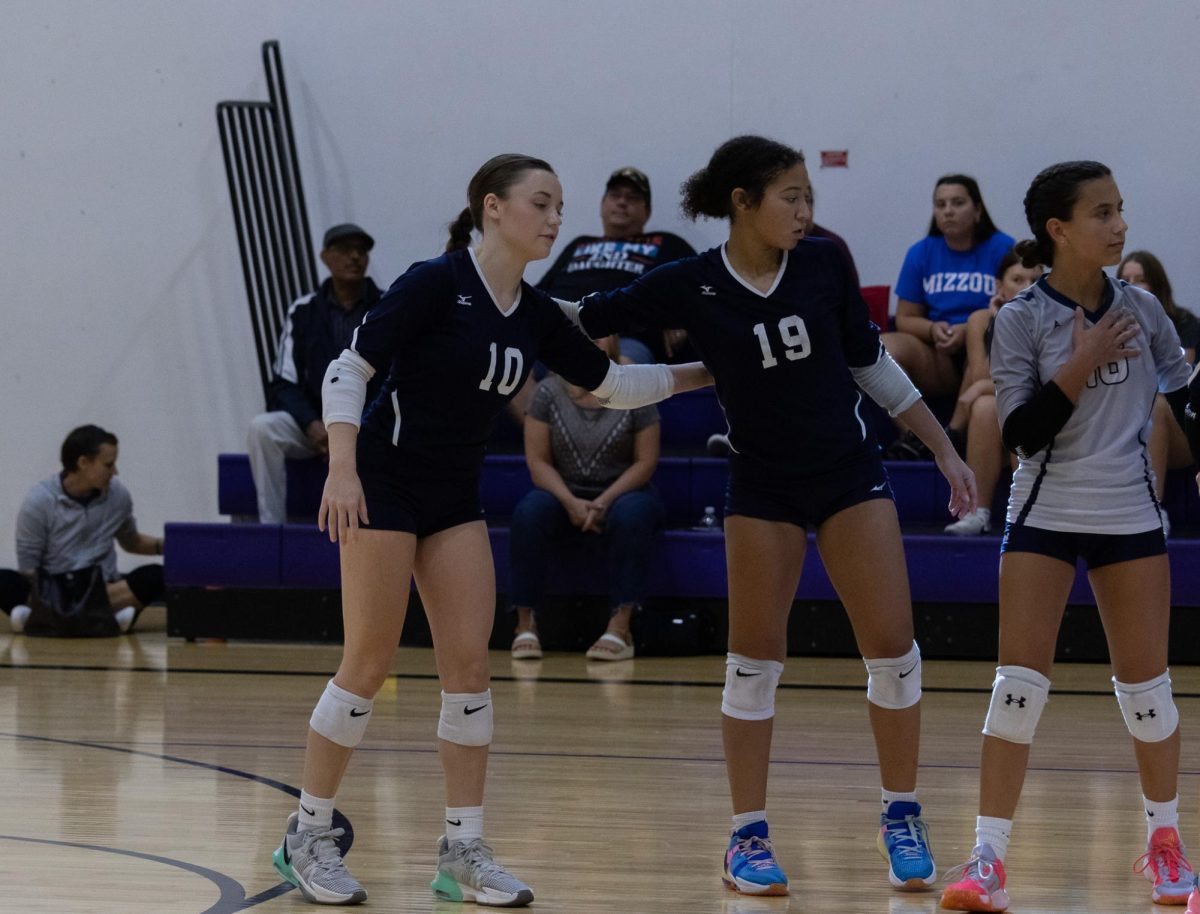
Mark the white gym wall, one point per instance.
(124, 303)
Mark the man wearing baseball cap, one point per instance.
(624, 252)
(318, 328)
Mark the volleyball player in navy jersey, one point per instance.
(457, 335)
(1078, 359)
(786, 335)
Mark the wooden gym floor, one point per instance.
(143, 774)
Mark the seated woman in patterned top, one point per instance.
(592, 469)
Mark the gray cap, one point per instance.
(633, 177)
(346, 230)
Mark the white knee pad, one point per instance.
(341, 716)
(1148, 708)
(750, 687)
(895, 683)
(1018, 696)
(466, 718)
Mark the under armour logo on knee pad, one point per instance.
(1140, 716)
(1019, 702)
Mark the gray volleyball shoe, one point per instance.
(312, 861)
(468, 871)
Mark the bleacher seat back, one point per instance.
(878, 299)
(688, 419)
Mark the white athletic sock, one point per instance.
(315, 812)
(464, 823)
(1161, 815)
(994, 832)
(18, 616)
(125, 617)
(888, 797)
(742, 819)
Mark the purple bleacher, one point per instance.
(688, 419)
(689, 564)
(222, 555)
(238, 497)
(942, 569)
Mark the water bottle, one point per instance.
(708, 520)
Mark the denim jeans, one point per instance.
(540, 522)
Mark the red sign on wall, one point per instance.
(835, 158)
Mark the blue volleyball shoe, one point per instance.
(750, 866)
(904, 844)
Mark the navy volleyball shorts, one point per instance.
(412, 498)
(806, 501)
(1096, 549)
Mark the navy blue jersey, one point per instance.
(453, 359)
(780, 360)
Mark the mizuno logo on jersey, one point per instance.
(464, 300)
(707, 290)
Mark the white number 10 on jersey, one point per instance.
(795, 340)
(514, 364)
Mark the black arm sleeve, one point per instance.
(1033, 424)
(1178, 401)
(1191, 414)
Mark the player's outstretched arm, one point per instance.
(963, 496)
(631, 386)
(691, 376)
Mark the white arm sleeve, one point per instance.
(631, 386)
(886, 383)
(345, 388)
(571, 310)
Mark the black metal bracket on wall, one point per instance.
(267, 196)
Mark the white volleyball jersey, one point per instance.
(1094, 476)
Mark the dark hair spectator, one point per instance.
(1168, 447)
(985, 228)
(65, 531)
(946, 276)
(592, 469)
(84, 441)
(974, 425)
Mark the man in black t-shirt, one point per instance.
(623, 253)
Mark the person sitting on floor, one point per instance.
(592, 469)
(67, 524)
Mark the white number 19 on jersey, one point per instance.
(514, 363)
(795, 340)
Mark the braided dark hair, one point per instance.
(495, 176)
(1052, 195)
(748, 162)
